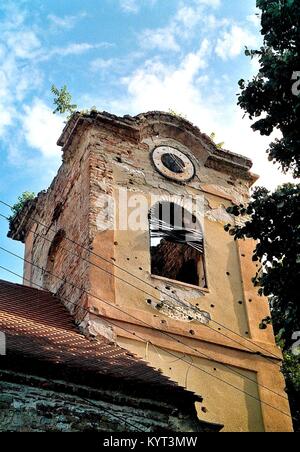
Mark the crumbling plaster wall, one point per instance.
(64, 206)
(96, 165)
(122, 162)
(140, 299)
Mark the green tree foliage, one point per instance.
(272, 98)
(22, 200)
(212, 136)
(272, 101)
(176, 114)
(291, 370)
(273, 219)
(63, 101)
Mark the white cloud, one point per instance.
(15, 83)
(24, 44)
(239, 137)
(254, 19)
(66, 22)
(133, 6)
(233, 41)
(74, 49)
(159, 86)
(18, 74)
(161, 38)
(42, 128)
(101, 64)
(130, 6)
(5, 119)
(181, 26)
(187, 16)
(212, 3)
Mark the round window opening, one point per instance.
(173, 163)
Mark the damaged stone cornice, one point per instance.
(94, 118)
(232, 164)
(18, 223)
(134, 126)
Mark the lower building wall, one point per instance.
(229, 397)
(24, 408)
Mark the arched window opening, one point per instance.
(177, 245)
(56, 256)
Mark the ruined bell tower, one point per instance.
(130, 235)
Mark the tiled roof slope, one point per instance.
(40, 330)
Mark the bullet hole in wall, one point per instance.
(192, 333)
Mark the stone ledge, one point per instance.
(136, 123)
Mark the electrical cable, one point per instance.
(166, 350)
(161, 332)
(195, 309)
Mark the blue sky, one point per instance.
(126, 57)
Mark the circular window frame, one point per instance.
(183, 177)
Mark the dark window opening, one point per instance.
(177, 250)
(189, 272)
(56, 257)
(173, 163)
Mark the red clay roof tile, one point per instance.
(40, 328)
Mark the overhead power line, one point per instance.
(161, 332)
(111, 262)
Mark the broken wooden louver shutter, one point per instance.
(175, 224)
